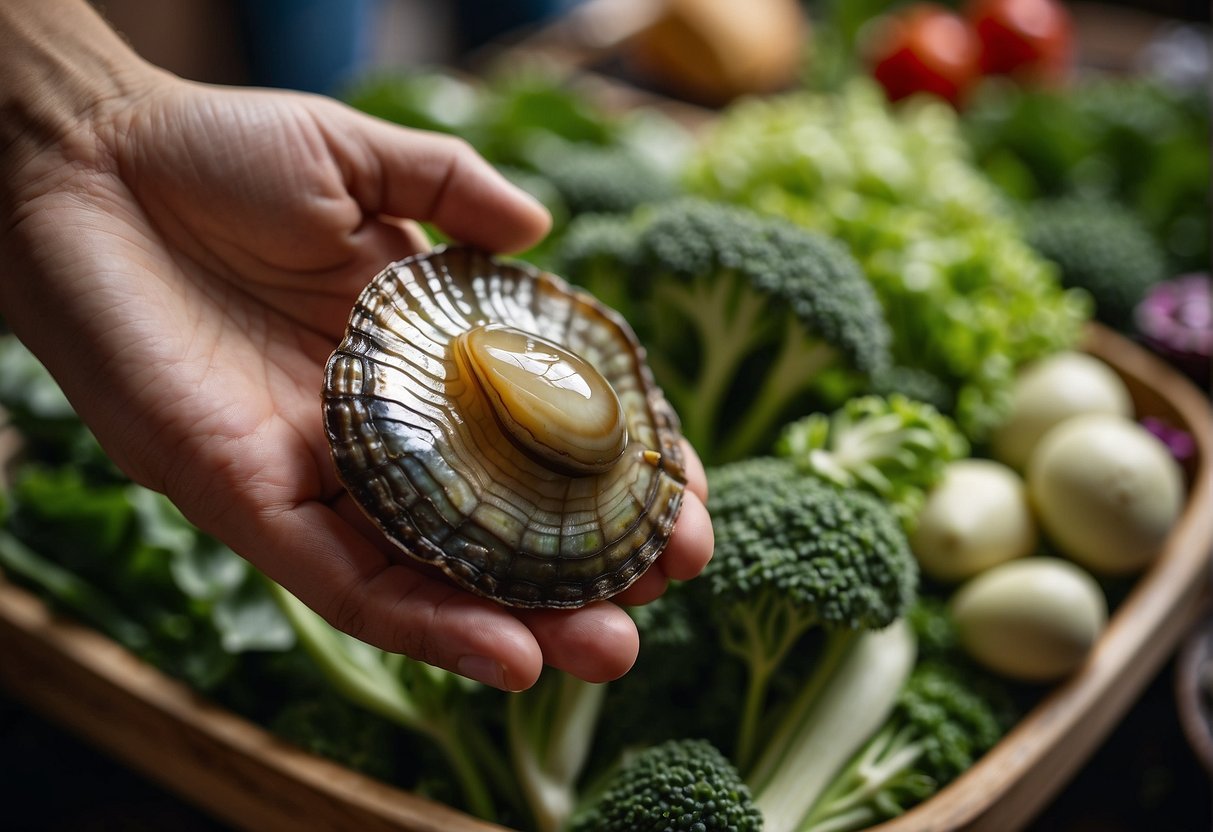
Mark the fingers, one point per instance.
(336, 567)
(441, 179)
(690, 546)
(340, 574)
(697, 478)
(596, 643)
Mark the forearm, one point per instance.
(60, 66)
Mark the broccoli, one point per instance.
(828, 722)
(795, 553)
(894, 447)
(330, 726)
(1133, 139)
(678, 786)
(742, 316)
(914, 383)
(423, 699)
(939, 727)
(677, 664)
(1100, 247)
(966, 298)
(593, 179)
(550, 730)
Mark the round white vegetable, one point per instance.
(1033, 619)
(1050, 391)
(1107, 492)
(977, 516)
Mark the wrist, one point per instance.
(62, 71)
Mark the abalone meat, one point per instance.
(499, 424)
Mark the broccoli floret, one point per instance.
(743, 316)
(604, 180)
(894, 447)
(678, 786)
(1100, 247)
(914, 383)
(795, 553)
(327, 725)
(966, 298)
(939, 727)
(600, 253)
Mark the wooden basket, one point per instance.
(240, 773)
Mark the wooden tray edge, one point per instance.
(216, 760)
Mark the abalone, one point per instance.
(503, 426)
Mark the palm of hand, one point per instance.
(223, 240)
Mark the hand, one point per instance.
(185, 260)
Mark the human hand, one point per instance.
(185, 259)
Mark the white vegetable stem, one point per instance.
(846, 713)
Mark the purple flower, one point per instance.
(1175, 319)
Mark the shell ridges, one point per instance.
(575, 516)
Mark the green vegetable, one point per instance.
(1133, 141)
(939, 727)
(500, 117)
(601, 180)
(966, 298)
(742, 316)
(328, 725)
(1100, 248)
(551, 730)
(123, 558)
(794, 554)
(844, 713)
(423, 699)
(32, 403)
(678, 663)
(680, 786)
(894, 447)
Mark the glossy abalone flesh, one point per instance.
(503, 426)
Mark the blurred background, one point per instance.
(322, 45)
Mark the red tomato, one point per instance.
(923, 48)
(1032, 39)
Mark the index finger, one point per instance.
(436, 178)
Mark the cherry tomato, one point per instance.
(923, 48)
(1030, 39)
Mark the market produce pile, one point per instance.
(871, 340)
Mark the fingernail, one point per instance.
(483, 670)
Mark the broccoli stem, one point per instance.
(726, 322)
(811, 747)
(551, 729)
(788, 375)
(763, 643)
(844, 805)
(837, 645)
(372, 679)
